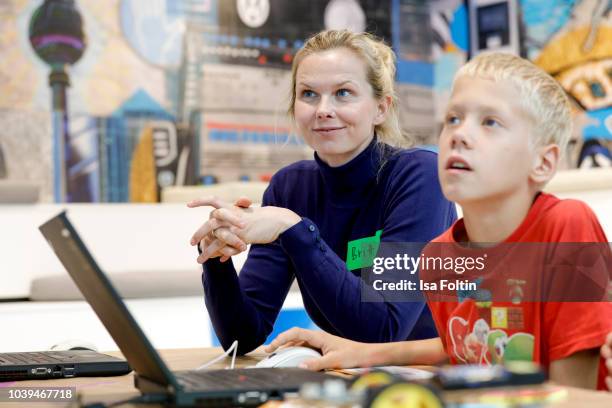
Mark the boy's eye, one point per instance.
(308, 94)
(452, 120)
(343, 92)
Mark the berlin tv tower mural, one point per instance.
(56, 35)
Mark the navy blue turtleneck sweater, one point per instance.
(337, 205)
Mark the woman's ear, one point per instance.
(545, 163)
(383, 106)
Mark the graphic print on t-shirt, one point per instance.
(490, 341)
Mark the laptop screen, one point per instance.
(105, 301)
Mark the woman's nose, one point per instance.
(325, 110)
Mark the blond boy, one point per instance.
(506, 126)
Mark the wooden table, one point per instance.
(112, 389)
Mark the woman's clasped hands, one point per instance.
(230, 227)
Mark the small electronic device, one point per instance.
(494, 26)
(288, 357)
(59, 364)
(479, 376)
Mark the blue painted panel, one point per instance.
(287, 319)
(601, 124)
(459, 28)
(415, 72)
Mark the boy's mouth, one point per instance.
(457, 163)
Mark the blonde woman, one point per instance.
(360, 184)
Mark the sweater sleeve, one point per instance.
(415, 211)
(244, 306)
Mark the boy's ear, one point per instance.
(384, 104)
(545, 164)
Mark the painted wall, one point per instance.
(186, 91)
(572, 40)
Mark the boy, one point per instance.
(506, 125)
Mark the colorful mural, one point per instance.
(187, 91)
(579, 55)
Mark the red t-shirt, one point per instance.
(478, 331)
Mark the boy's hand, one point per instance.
(606, 353)
(337, 352)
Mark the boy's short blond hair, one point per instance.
(543, 99)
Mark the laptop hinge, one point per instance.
(147, 386)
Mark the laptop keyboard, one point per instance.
(222, 378)
(27, 358)
(256, 378)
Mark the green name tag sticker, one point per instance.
(361, 252)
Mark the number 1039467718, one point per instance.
(50, 394)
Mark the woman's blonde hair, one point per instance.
(380, 72)
(542, 98)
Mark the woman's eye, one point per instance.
(343, 92)
(308, 94)
(490, 122)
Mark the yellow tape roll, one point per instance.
(405, 395)
(372, 379)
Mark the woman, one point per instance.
(344, 106)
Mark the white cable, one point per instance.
(233, 347)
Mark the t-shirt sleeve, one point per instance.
(575, 326)
(573, 221)
(571, 327)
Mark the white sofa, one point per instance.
(127, 240)
(124, 239)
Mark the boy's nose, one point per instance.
(459, 139)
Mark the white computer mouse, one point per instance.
(288, 357)
(73, 344)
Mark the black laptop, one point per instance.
(238, 387)
(59, 364)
